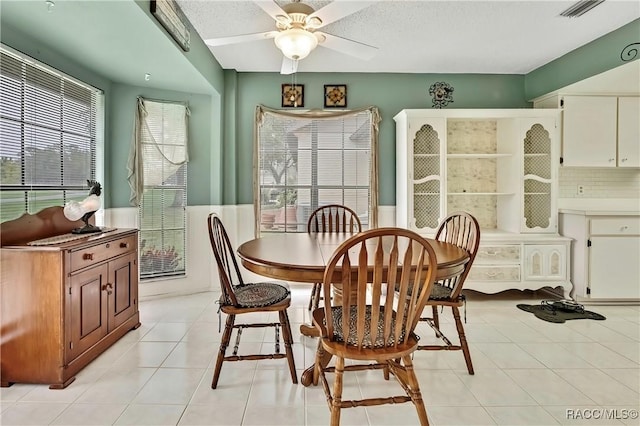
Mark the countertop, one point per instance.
(600, 206)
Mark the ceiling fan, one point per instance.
(297, 34)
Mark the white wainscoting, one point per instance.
(202, 274)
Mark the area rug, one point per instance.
(550, 313)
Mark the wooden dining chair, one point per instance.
(463, 230)
(239, 298)
(327, 219)
(369, 325)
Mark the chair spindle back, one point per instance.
(223, 252)
(370, 265)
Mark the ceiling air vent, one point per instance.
(580, 8)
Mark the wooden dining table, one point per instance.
(302, 257)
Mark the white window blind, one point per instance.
(50, 128)
(309, 160)
(163, 152)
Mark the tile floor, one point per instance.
(528, 372)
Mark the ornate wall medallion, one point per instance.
(335, 95)
(293, 95)
(442, 94)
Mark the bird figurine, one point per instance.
(84, 209)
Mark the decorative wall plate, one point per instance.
(335, 95)
(293, 95)
(442, 94)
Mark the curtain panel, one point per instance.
(159, 146)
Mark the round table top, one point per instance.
(302, 257)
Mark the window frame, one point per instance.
(36, 196)
(374, 119)
(162, 224)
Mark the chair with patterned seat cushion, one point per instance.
(463, 230)
(328, 219)
(239, 298)
(376, 331)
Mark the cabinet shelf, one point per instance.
(425, 155)
(479, 156)
(537, 193)
(480, 193)
(427, 193)
(537, 154)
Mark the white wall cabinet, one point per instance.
(500, 166)
(601, 131)
(605, 255)
(629, 132)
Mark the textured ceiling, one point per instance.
(122, 42)
(429, 36)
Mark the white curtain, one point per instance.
(159, 146)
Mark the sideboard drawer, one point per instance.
(616, 226)
(494, 273)
(498, 254)
(95, 254)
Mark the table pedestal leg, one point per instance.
(307, 375)
(309, 330)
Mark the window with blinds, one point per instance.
(50, 128)
(163, 143)
(308, 161)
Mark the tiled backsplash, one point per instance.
(599, 182)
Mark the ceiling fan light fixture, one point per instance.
(296, 43)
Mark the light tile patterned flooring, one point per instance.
(528, 372)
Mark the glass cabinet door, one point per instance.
(537, 178)
(427, 177)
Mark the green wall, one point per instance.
(202, 189)
(593, 58)
(389, 92)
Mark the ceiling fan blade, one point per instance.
(289, 66)
(337, 10)
(272, 9)
(346, 46)
(221, 41)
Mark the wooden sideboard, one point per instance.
(64, 304)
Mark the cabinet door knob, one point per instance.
(624, 228)
(87, 256)
(124, 245)
(108, 287)
(611, 159)
(623, 160)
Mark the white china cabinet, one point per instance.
(500, 165)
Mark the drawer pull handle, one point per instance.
(491, 274)
(124, 245)
(108, 287)
(624, 228)
(492, 253)
(87, 256)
